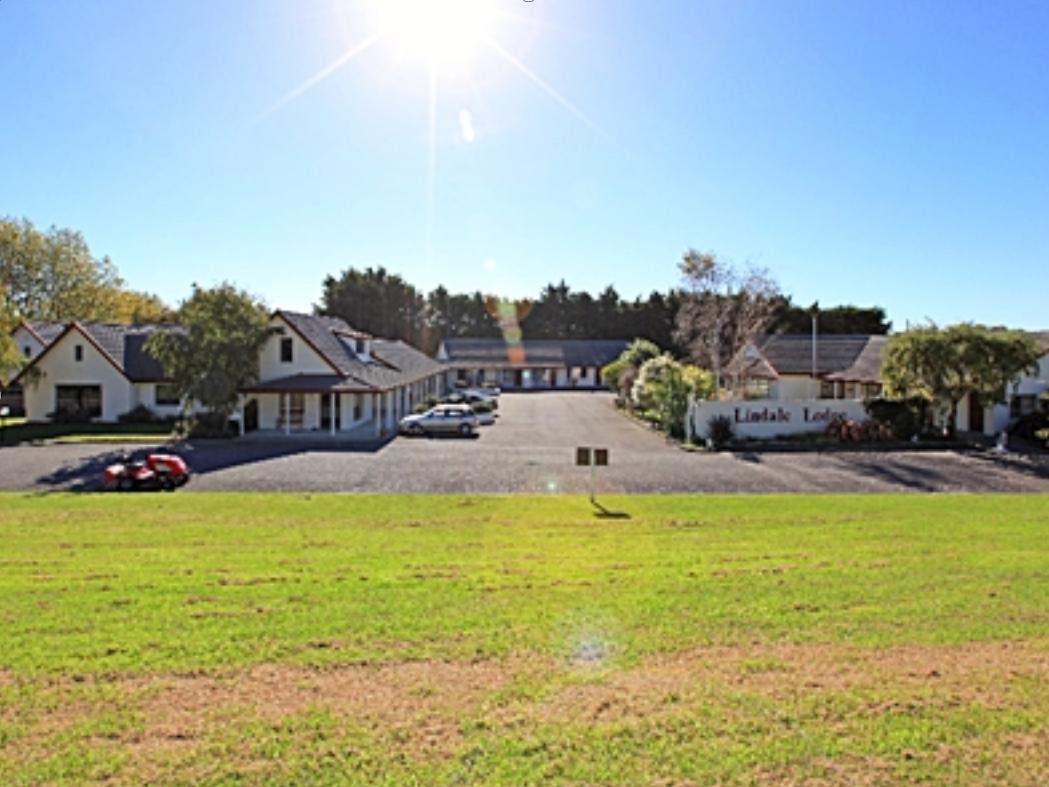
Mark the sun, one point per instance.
(440, 32)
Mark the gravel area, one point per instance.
(531, 449)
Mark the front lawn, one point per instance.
(25, 432)
(512, 640)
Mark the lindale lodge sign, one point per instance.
(768, 418)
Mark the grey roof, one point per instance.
(126, 345)
(47, 331)
(305, 383)
(1041, 338)
(867, 366)
(534, 352)
(392, 364)
(792, 354)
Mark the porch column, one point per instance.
(331, 413)
(376, 415)
(287, 414)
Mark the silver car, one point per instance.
(442, 419)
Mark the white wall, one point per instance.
(23, 338)
(766, 418)
(305, 359)
(59, 367)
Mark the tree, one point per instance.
(139, 308)
(11, 359)
(53, 275)
(216, 351)
(663, 388)
(834, 320)
(622, 372)
(947, 364)
(723, 309)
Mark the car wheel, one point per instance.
(126, 485)
(167, 485)
(465, 430)
(416, 430)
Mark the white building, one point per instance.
(317, 376)
(529, 364)
(97, 372)
(781, 389)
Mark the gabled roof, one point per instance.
(867, 366)
(44, 332)
(775, 355)
(534, 352)
(123, 346)
(390, 364)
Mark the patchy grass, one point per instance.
(390, 640)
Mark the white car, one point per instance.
(442, 419)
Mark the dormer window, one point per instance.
(78, 353)
(362, 347)
(286, 350)
(27, 351)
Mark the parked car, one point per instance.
(158, 471)
(443, 419)
(472, 396)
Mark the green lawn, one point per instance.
(20, 431)
(387, 640)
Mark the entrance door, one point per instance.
(975, 414)
(519, 378)
(326, 411)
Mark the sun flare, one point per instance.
(441, 32)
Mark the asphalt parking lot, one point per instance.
(531, 449)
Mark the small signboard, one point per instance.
(591, 457)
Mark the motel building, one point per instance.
(788, 384)
(318, 377)
(531, 364)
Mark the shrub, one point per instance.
(426, 404)
(720, 431)
(208, 425)
(905, 417)
(139, 415)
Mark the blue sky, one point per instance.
(866, 152)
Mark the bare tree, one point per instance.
(723, 309)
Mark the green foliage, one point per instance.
(833, 320)
(906, 417)
(216, 353)
(621, 374)
(664, 386)
(720, 431)
(11, 358)
(54, 276)
(947, 364)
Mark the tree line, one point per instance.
(384, 304)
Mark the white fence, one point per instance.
(762, 419)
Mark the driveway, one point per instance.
(531, 449)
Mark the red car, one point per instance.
(158, 471)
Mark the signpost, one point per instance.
(591, 457)
(4, 412)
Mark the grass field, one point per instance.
(234, 639)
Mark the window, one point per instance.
(286, 350)
(167, 395)
(27, 351)
(78, 402)
(358, 401)
(826, 389)
(292, 410)
(78, 353)
(362, 347)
